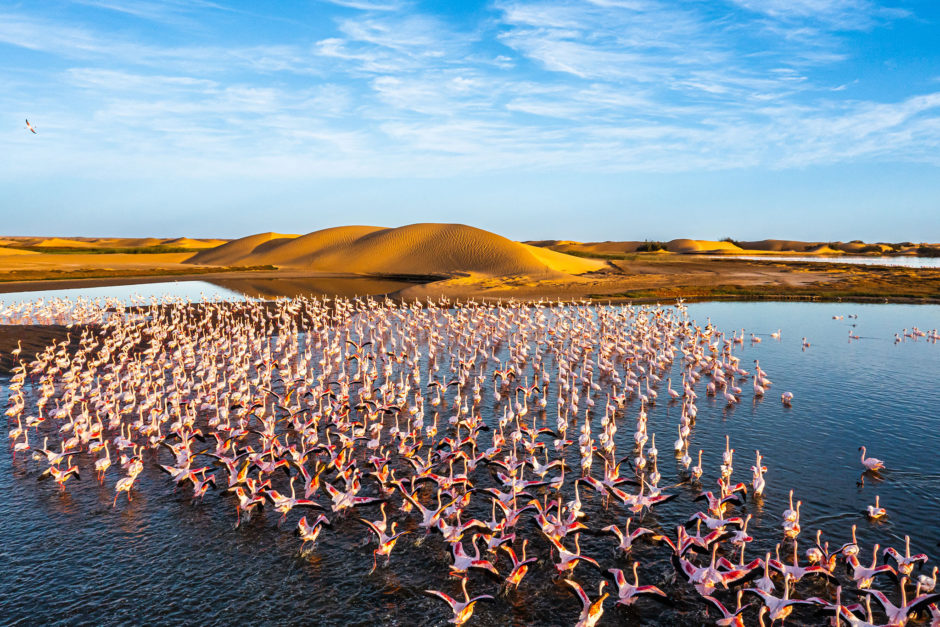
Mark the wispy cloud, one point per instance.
(169, 11)
(367, 5)
(601, 85)
(837, 14)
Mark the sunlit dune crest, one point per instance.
(238, 249)
(416, 249)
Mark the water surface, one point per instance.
(217, 289)
(69, 558)
(901, 261)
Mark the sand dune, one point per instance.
(306, 249)
(701, 246)
(4, 251)
(416, 249)
(233, 253)
(589, 248)
(695, 246)
(563, 263)
(108, 242)
(58, 242)
(185, 242)
(681, 246)
(823, 249)
(777, 245)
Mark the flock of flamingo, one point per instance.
(349, 412)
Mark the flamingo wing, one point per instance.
(618, 576)
(721, 608)
(579, 591)
(650, 590)
(589, 560)
(446, 598)
(371, 526)
(688, 569)
(922, 603)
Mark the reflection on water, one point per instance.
(68, 557)
(906, 262)
(129, 294)
(291, 288)
(224, 289)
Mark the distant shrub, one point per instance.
(856, 241)
(928, 251)
(650, 247)
(731, 241)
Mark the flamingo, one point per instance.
(463, 562)
(628, 593)
(876, 512)
(906, 562)
(928, 583)
(61, 476)
(386, 541)
(310, 532)
(697, 469)
(707, 578)
(870, 463)
(778, 608)
(567, 560)
(102, 464)
(758, 390)
(462, 610)
(519, 566)
(591, 611)
(864, 576)
(898, 615)
(729, 618)
(284, 504)
(626, 537)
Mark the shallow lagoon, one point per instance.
(68, 558)
(900, 261)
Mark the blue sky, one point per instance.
(588, 120)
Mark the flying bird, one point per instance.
(31, 127)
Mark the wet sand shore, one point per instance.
(645, 278)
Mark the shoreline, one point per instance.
(44, 284)
(654, 278)
(643, 278)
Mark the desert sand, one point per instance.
(417, 249)
(459, 261)
(99, 243)
(710, 247)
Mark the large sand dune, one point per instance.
(416, 249)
